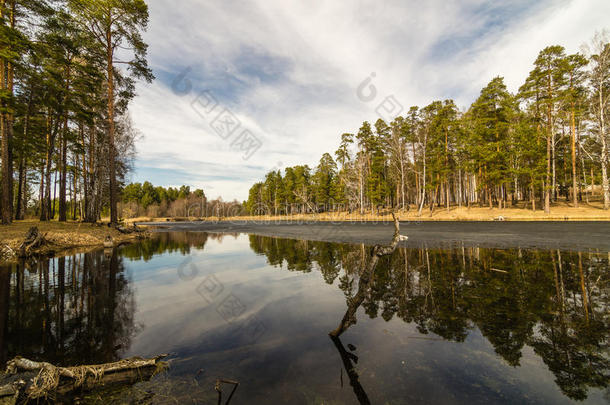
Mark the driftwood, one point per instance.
(138, 232)
(46, 380)
(127, 230)
(363, 285)
(33, 240)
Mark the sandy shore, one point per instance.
(549, 235)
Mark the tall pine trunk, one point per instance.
(6, 125)
(21, 193)
(547, 187)
(604, 162)
(45, 214)
(64, 152)
(20, 209)
(423, 177)
(41, 193)
(63, 176)
(111, 147)
(573, 147)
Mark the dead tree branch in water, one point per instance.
(365, 278)
(349, 318)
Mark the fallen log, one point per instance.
(52, 381)
(127, 230)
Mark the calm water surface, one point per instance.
(462, 326)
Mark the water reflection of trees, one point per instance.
(78, 309)
(68, 310)
(171, 242)
(556, 302)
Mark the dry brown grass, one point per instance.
(559, 212)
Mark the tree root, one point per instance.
(33, 240)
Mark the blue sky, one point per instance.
(287, 73)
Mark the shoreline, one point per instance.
(63, 238)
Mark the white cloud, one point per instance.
(289, 71)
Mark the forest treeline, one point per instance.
(67, 73)
(549, 141)
(144, 199)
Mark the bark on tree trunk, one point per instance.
(549, 154)
(5, 145)
(54, 194)
(46, 214)
(573, 146)
(20, 188)
(553, 169)
(63, 176)
(423, 186)
(92, 207)
(547, 188)
(604, 162)
(6, 124)
(64, 150)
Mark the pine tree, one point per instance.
(543, 90)
(599, 78)
(574, 96)
(16, 17)
(366, 141)
(492, 114)
(116, 24)
(324, 181)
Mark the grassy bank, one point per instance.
(62, 236)
(559, 212)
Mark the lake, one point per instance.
(462, 325)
